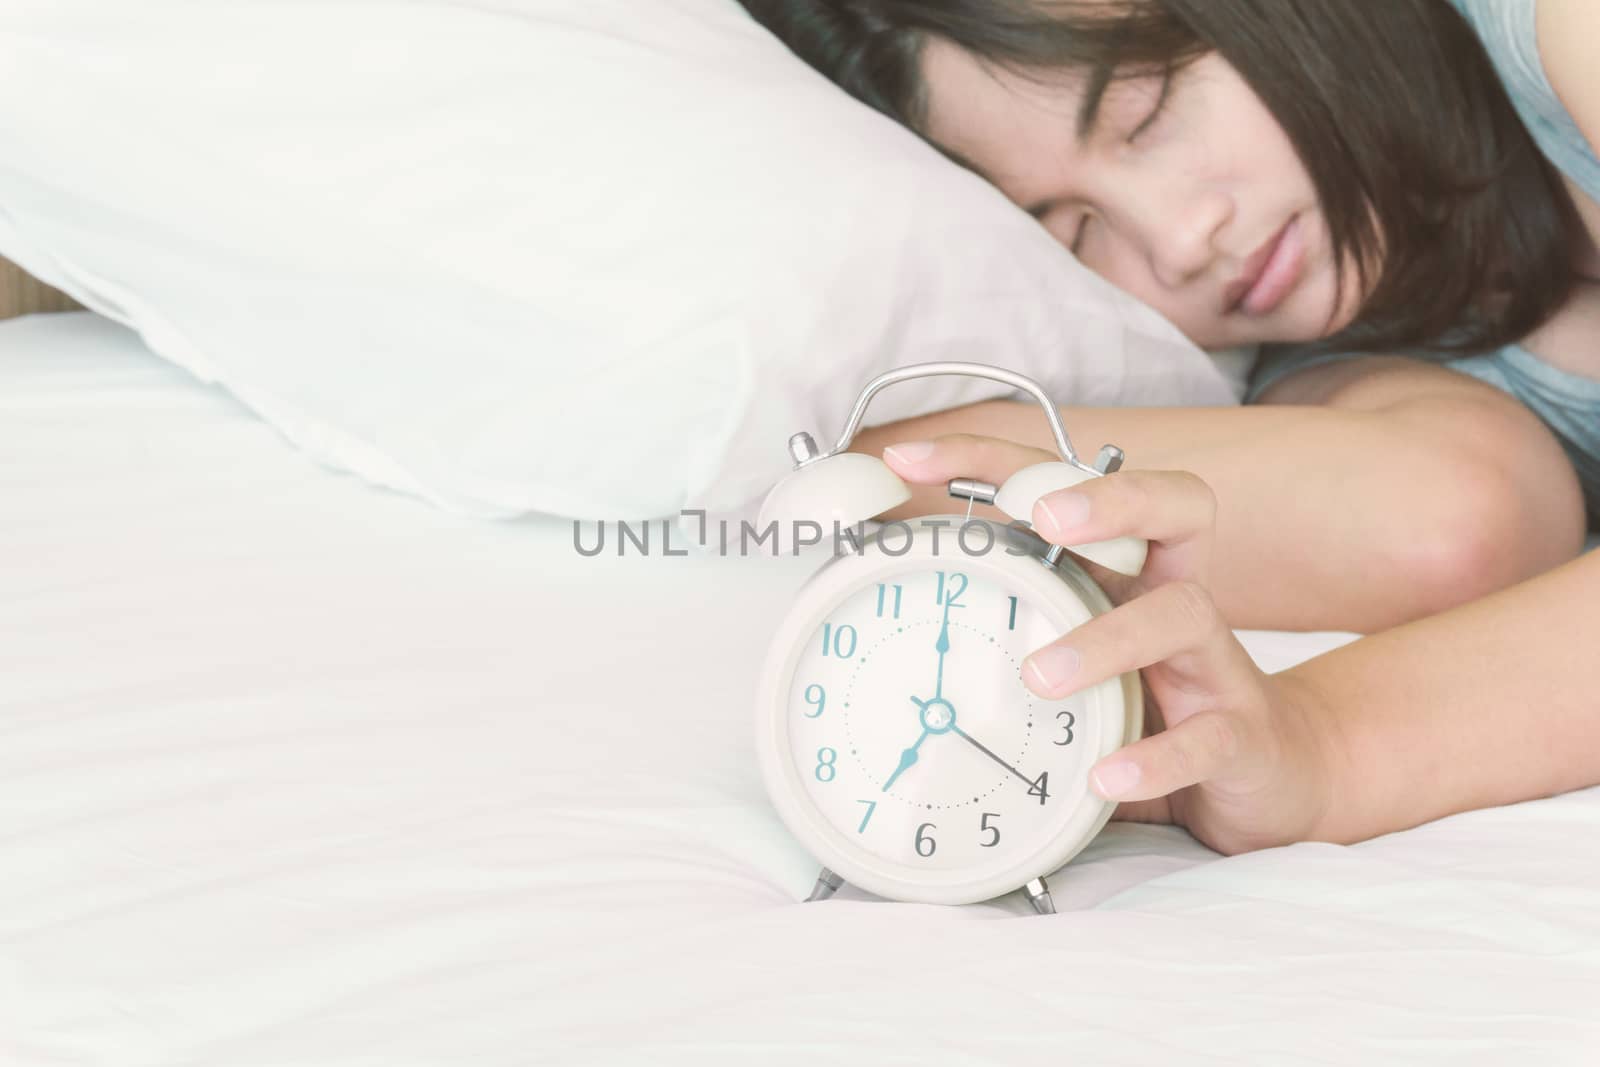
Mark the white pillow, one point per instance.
(589, 257)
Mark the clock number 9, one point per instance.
(826, 757)
(819, 701)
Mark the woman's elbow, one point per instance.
(1505, 510)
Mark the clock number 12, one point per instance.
(952, 598)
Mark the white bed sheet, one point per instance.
(295, 771)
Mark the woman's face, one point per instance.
(1196, 202)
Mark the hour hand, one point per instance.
(908, 759)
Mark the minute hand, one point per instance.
(942, 646)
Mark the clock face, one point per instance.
(915, 739)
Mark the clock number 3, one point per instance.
(1071, 722)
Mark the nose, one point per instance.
(1183, 233)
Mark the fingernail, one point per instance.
(910, 451)
(1061, 513)
(1115, 780)
(1053, 669)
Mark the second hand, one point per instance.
(981, 747)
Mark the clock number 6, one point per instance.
(926, 846)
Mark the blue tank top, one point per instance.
(1568, 404)
(1510, 35)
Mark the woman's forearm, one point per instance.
(1491, 703)
(1374, 509)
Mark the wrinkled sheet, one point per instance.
(297, 771)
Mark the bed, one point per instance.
(298, 771)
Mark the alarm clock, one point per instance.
(895, 736)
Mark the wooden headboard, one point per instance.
(20, 294)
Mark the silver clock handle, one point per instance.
(964, 370)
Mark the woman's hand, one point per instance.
(1236, 756)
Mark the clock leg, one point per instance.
(827, 885)
(1039, 896)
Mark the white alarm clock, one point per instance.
(896, 737)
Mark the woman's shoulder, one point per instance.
(1511, 33)
(1566, 31)
(1542, 50)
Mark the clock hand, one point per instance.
(907, 759)
(981, 747)
(942, 646)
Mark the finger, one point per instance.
(961, 455)
(1174, 510)
(1198, 749)
(1176, 625)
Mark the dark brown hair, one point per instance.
(1418, 157)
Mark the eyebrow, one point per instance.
(1088, 118)
(1094, 94)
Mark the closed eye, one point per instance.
(1078, 236)
(1042, 213)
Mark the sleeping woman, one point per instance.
(1400, 201)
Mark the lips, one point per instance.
(1269, 274)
